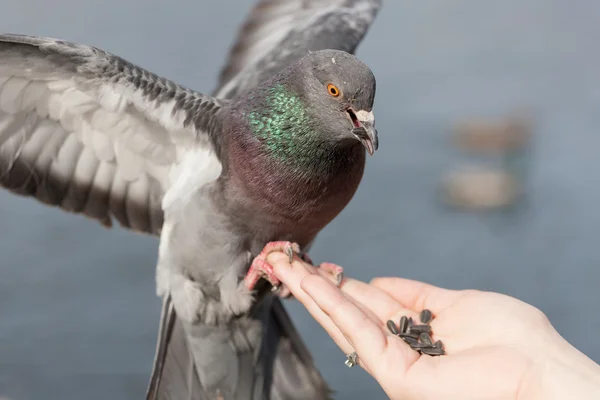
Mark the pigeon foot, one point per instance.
(260, 268)
(336, 272)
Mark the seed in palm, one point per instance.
(418, 336)
(392, 327)
(420, 346)
(410, 340)
(425, 338)
(409, 335)
(403, 324)
(425, 316)
(433, 351)
(420, 328)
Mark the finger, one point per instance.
(379, 302)
(302, 269)
(291, 275)
(365, 336)
(283, 258)
(416, 295)
(312, 268)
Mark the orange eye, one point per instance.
(333, 90)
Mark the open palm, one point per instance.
(494, 343)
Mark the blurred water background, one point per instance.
(78, 313)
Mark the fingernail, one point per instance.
(281, 268)
(278, 260)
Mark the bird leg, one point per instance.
(260, 268)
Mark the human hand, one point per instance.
(497, 347)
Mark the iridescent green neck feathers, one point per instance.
(285, 128)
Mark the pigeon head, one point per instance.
(339, 90)
(316, 110)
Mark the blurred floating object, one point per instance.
(494, 136)
(480, 188)
(505, 143)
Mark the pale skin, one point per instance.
(497, 346)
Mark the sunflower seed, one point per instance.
(392, 327)
(419, 346)
(403, 324)
(425, 338)
(410, 340)
(425, 316)
(418, 336)
(409, 335)
(420, 328)
(433, 351)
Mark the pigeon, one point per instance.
(262, 164)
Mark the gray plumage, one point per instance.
(89, 132)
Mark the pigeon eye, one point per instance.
(333, 90)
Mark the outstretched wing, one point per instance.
(92, 133)
(277, 32)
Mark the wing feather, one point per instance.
(278, 32)
(90, 132)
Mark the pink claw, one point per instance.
(260, 268)
(335, 270)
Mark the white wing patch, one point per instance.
(196, 169)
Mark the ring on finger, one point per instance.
(351, 359)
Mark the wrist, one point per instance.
(562, 373)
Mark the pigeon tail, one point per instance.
(256, 358)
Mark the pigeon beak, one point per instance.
(364, 129)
